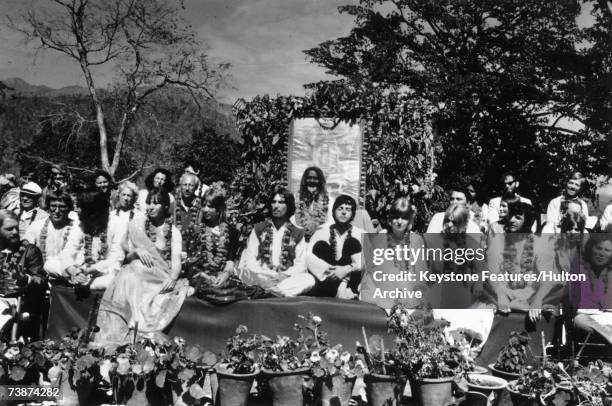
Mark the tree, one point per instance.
(499, 71)
(146, 42)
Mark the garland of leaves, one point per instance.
(10, 269)
(287, 247)
(43, 237)
(332, 238)
(88, 239)
(215, 249)
(405, 241)
(525, 263)
(193, 211)
(152, 234)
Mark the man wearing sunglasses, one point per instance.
(510, 186)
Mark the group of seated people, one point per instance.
(150, 249)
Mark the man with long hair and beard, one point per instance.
(22, 273)
(312, 206)
(93, 256)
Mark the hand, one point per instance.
(73, 270)
(503, 303)
(220, 279)
(170, 285)
(229, 268)
(339, 272)
(80, 279)
(145, 257)
(535, 311)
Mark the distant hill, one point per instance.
(20, 87)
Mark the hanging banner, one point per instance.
(334, 147)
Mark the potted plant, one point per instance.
(511, 359)
(237, 371)
(490, 386)
(430, 361)
(590, 385)
(384, 379)
(285, 365)
(532, 386)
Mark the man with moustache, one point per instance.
(275, 256)
(22, 273)
(312, 207)
(572, 192)
(511, 185)
(50, 235)
(29, 197)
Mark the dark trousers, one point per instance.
(322, 249)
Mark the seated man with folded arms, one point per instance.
(275, 254)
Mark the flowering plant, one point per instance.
(422, 347)
(242, 352)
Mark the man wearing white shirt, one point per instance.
(51, 235)
(458, 195)
(29, 196)
(275, 254)
(572, 192)
(606, 219)
(94, 253)
(511, 185)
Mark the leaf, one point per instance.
(17, 373)
(209, 358)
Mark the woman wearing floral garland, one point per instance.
(596, 264)
(312, 206)
(93, 255)
(216, 241)
(147, 293)
(334, 253)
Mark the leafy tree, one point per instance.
(145, 41)
(497, 69)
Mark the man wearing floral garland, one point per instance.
(50, 235)
(22, 273)
(29, 197)
(188, 210)
(312, 207)
(275, 256)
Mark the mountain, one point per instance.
(20, 87)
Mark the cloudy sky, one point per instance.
(262, 39)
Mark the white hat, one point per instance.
(31, 188)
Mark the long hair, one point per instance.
(286, 195)
(216, 194)
(594, 240)
(131, 186)
(168, 184)
(159, 195)
(95, 210)
(304, 195)
(528, 213)
(456, 220)
(401, 207)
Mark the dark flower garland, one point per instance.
(150, 230)
(310, 218)
(43, 237)
(194, 212)
(9, 271)
(287, 247)
(332, 238)
(216, 249)
(526, 261)
(88, 239)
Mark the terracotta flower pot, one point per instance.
(335, 391)
(508, 376)
(487, 384)
(234, 389)
(287, 386)
(477, 369)
(383, 390)
(434, 392)
(519, 399)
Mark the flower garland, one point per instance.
(332, 238)
(310, 214)
(193, 211)
(152, 234)
(43, 237)
(88, 239)
(287, 247)
(405, 241)
(216, 249)
(525, 263)
(10, 268)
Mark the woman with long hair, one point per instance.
(216, 243)
(596, 265)
(147, 293)
(160, 178)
